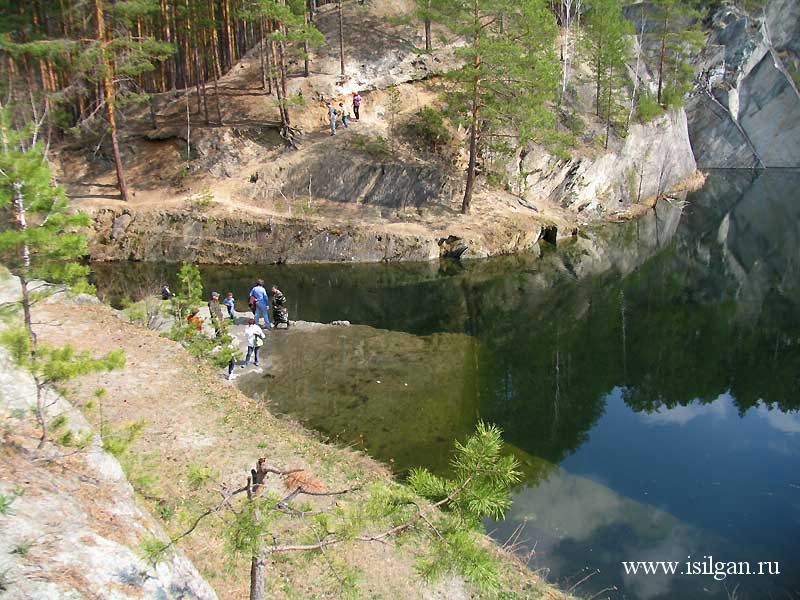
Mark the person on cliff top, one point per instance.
(258, 297)
(356, 105)
(255, 339)
(345, 114)
(230, 305)
(332, 112)
(215, 308)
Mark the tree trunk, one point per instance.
(609, 91)
(428, 45)
(599, 75)
(214, 40)
(25, 256)
(258, 578)
(306, 66)
(473, 132)
(226, 17)
(108, 98)
(262, 56)
(341, 38)
(258, 563)
(663, 55)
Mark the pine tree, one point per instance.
(286, 26)
(606, 40)
(425, 13)
(40, 241)
(508, 78)
(446, 510)
(677, 35)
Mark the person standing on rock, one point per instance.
(332, 117)
(215, 308)
(345, 114)
(356, 105)
(255, 339)
(259, 297)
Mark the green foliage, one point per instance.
(428, 128)
(458, 550)
(482, 478)
(376, 147)
(203, 201)
(6, 500)
(574, 123)
(59, 422)
(605, 40)
(249, 527)
(197, 475)
(152, 549)
(513, 75)
(188, 298)
(680, 35)
(27, 194)
(117, 441)
(647, 107)
(145, 312)
(23, 547)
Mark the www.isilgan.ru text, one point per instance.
(708, 566)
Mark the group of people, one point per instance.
(259, 303)
(343, 112)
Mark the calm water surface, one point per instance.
(647, 376)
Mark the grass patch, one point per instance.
(22, 548)
(197, 475)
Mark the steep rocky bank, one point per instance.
(74, 528)
(184, 235)
(653, 158)
(745, 110)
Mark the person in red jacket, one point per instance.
(195, 319)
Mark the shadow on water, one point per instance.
(646, 375)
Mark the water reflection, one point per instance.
(648, 377)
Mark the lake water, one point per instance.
(647, 376)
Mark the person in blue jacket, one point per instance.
(258, 296)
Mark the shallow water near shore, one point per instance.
(646, 375)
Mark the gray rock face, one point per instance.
(184, 235)
(390, 184)
(745, 111)
(653, 158)
(76, 512)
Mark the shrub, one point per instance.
(647, 107)
(376, 147)
(428, 128)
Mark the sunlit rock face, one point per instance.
(652, 158)
(745, 111)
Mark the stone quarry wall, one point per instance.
(652, 159)
(183, 235)
(745, 110)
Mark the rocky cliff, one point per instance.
(73, 528)
(745, 110)
(186, 235)
(652, 159)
